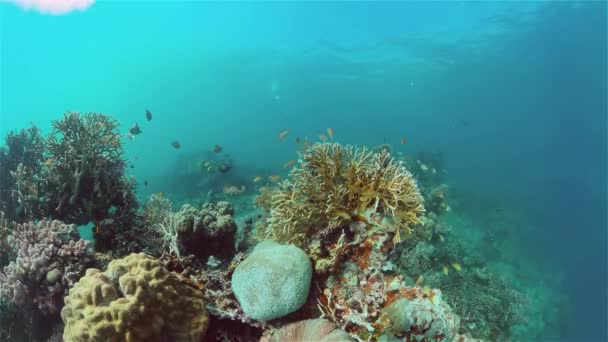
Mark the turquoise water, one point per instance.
(512, 95)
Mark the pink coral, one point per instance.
(48, 261)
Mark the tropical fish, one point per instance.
(257, 179)
(135, 130)
(403, 141)
(49, 162)
(176, 145)
(323, 137)
(217, 148)
(445, 270)
(274, 178)
(148, 115)
(420, 280)
(160, 194)
(224, 167)
(283, 134)
(457, 267)
(441, 238)
(330, 133)
(289, 164)
(97, 229)
(298, 140)
(145, 183)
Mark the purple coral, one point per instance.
(48, 260)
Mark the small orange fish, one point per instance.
(274, 178)
(403, 141)
(330, 133)
(97, 229)
(289, 164)
(322, 137)
(283, 134)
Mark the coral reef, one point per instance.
(48, 260)
(272, 281)
(21, 185)
(318, 330)
(87, 175)
(423, 320)
(136, 299)
(205, 232)
(336, 185)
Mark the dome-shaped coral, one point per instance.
(136, 299)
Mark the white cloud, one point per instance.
(55, 7)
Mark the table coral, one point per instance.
(136, 299)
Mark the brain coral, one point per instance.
(273, 281)
(136, 299)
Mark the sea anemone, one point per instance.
(318, 330)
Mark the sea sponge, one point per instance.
(318, 330)
(136, 299)
(273, 281)
(336, 185)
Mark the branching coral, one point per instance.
(48, 260)
(21, 164)
(335, 185)
(87, 174)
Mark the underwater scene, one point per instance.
(303, 171)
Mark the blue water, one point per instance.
(512, 94)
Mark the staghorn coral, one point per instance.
(335, 185)
(318, 330)
(87, 175)
(48, 259)
(136, 299)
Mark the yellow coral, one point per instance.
(335, 185)
(136, 299)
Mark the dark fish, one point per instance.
(148, 114)
(217, 148)
(298, 140)
(145, 183)
(132, 166)
(224, 167)
(176, 145)
(135, 130)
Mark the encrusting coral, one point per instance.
(136, 299)
(335, 185)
